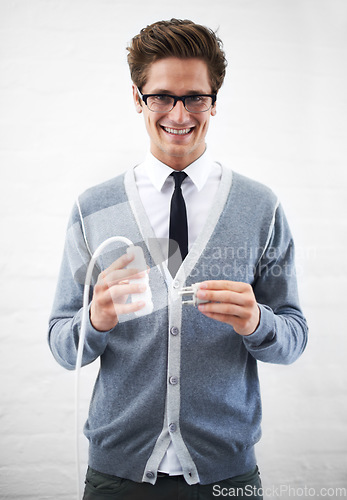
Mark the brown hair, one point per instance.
(176, 38)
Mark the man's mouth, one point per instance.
(177, 131)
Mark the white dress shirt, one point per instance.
(155, 188)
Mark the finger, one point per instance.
(218, 317)
(234, 286)
(224, 309)
(119, 291)
(226, 296)
(120, 263)
(114, 277)
(130, 307)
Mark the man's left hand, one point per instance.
(230, 302)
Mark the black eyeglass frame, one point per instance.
(177, 98)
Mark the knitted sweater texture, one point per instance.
(176, 374)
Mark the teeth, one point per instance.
(177, 131)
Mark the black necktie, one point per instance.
(178, 232)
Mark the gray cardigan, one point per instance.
(176, 374)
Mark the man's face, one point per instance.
(176, 77)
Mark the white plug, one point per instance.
(139, 263)
(191, 290)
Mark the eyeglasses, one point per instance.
(164, 103)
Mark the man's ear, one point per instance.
(136, 98)
(214, 109)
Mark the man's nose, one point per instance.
(179, 113)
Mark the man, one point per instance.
(176, 409)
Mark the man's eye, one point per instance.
(161, 98)
(197, 99)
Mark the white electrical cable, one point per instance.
(84, 321)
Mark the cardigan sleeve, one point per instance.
(66, 314)
(281, 336)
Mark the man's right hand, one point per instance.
(111, 292)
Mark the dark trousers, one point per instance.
(104, 486)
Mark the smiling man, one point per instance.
(176, 409)
(177, 137)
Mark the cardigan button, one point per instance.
(173, 380)
(174, 330)
(176, 284)
(150, 474)
(172, 427)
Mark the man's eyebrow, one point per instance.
(197, 92)
(160, 91)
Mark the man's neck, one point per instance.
(178, 162)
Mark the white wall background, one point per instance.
(67, 122)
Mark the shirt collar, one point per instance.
(198, 171)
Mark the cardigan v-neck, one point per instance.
(199, 244)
